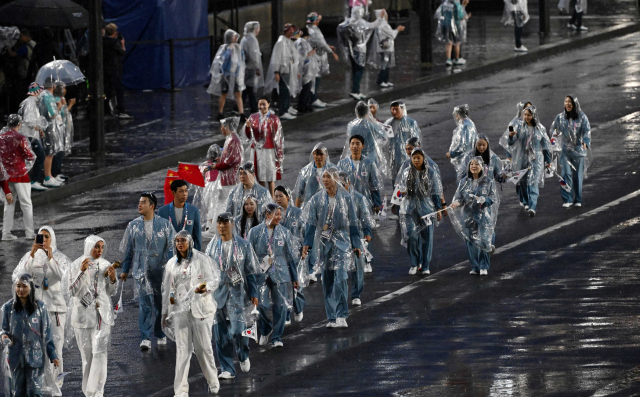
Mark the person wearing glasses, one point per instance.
(147, 246)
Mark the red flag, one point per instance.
(191, 173)
(171, 176)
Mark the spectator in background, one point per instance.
(50, 110)
(283, 74)
(227, 72)
(382, 49)
(65, 130)
(317, 41)
(113, 49)
(253, 75)
(44, 52)
(308, 70)
(22, 52)
(33, 125)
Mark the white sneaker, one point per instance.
(287, 322)
(584, 28)
(526, 208)
(29, 235)
(522, 204)
(356, 302)
(287, 116)
(8, 237)
(245, 365)
(215, 388)
(577, 205)
(226, 375)
(572, 26)
(313, 278)
(474, 272)
(64, 177)
(38, 187)
(355, 96)
(459, 61)
(362, 96)
(331, 324)
(298, 317)
(264, 340)
(449, 62)
(124, 116)
(389, 84)
(293, 111)
(367, 268)
(162, 341)
(383, 85)
(59, 179)
(532, 213)
(52, 182)
(567, 205)
(393, 217)
(318, 104)
(145, 345)
(278, 344)
(413, 270)
(521, 49)
(341, 322)
(426, 272)
(483, 272)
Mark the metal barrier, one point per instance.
(171, 43)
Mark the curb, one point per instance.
(170, 157)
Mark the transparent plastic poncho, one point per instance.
(309, 181)
(382, 53)
(90, 310)
(31, 343)
(261, 128)
(317, 41)
(54, 130)
(227, 68)
(203, 196)
(147, 256)
(403, 129)
(353, 35)
(565, 5)
(571, 135)
(238, 196)
(253, 56)
(515, 12)
(15, 153)
(249, 222)
(477, 212)
(31, 118)
(376, 142)
(67, 128)
(526, 148)
(335, 223)
(180, 280)
(364, 176)
(464, 137)
(423, 190)
(285, 60)
(449, 14)
(235, 257)
(278, 256)
(309, 65)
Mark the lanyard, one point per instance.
(270, 241)
(235, 251)
(332, 209)
(186, 212)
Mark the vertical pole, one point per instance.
(426, 48)
(172, 65)
(545, 17)
(277, 20)
(212, 45)
(96, 79)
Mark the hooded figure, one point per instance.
(309, 180)
(363, 174)
(243, 189)
(92, 313)
(254, 75)
(374, 134)
(492, 163)
(474, 213)
(449, 15)
(228, 67)
(285, 60)
(32, 121)
(27, 329)
(278, 253)
(529, 146)
(464, 135)
(317, 41)
(422, 189)
(188, 310)
(404, 128)
(243, 223)
(382, 54)
(238, 285)
(573, 133)
(54, 130)
(202, 198)
(50, 270)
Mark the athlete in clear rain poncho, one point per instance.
(250, 218)
(32, 121)
(516, 13)
(49, 268)
(309, 70)
(246, 187)
(332, 232)
(353, 35)
(203, 196)
(227, 71)
(284, 71)
(188, 310)
(449, 15)
(92, 282)
(464, 136)
(577, 8)
(515, 124)
(278, 253)
(363, 174)
(474, 213)
(375, 137)
(529, 147)
(27, 341)
(317, 41)
(236, 295)
(421, 188)
(253, 74)
(382, 53)
(493, 164)
(147, 246)
(365, 225)
(309, 180)
(404, 127)
(572, 130)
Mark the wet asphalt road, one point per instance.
(557, 316)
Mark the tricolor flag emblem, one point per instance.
(251, 332)
(563, 184)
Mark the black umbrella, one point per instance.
(40, 13)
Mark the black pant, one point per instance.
(56, 164)
(314, 95)
(304, 100)
(519, 36)
(356, 72)
(383, 76)
(114, 89)
(283, 95)
(249, 98)
(38, 167)
(576, 18)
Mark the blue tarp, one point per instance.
(146, 66)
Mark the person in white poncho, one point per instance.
(284, 72)
(227, 72)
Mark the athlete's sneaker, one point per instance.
(449, 62)
(356, 302)
(298, 317)
(318, 104)
(368, 268)
(341, 322)
(584, 28)
(245, 365)
(521, 49)
(162, 341)
(226, 375)
(427, 272)
(484, 272)
(331, 324)
(459, 61)
(287, 322)
(313, 278)
(38, 187)
(474, 272)
(413, 270)
(215, 387)
(287, 116)
(567, 205)
(278, 344)
(578, 205)
(532, 213)
(145, 345)
(52, 182)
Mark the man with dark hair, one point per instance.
(17, 159)
(246, 187)
(182, 215)
(404, 127)
(147, 246)
(373, 133)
